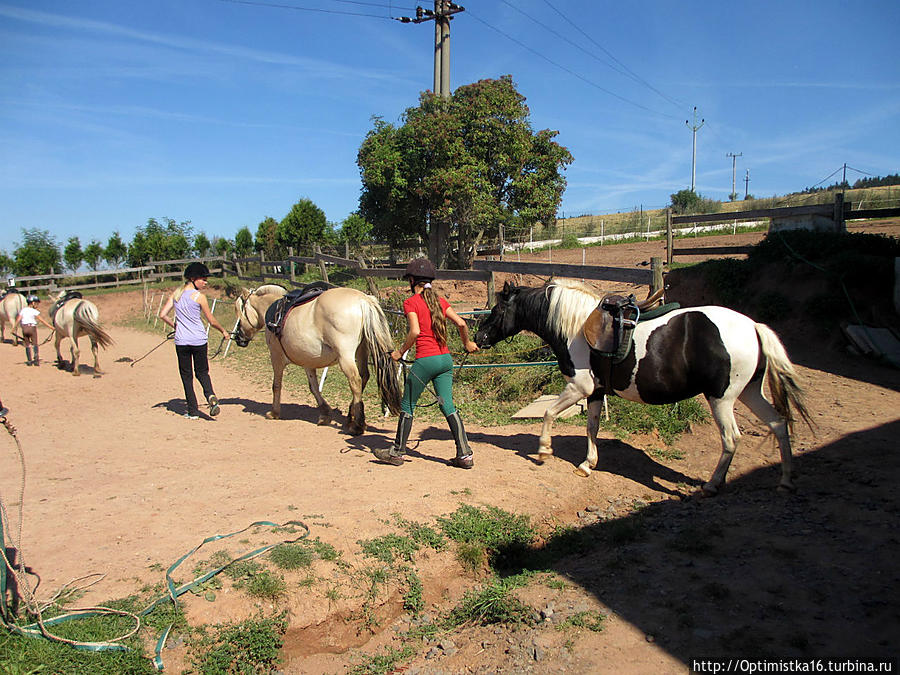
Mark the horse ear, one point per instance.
(507, 286)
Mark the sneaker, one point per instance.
(191, 416)
(213, 406)
(464, 462)
(4, 412)
(385, 455)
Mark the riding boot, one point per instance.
(27, 355)
(37, 360)
(463, 458)
(394, 454)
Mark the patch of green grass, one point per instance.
(669, 421)
(266, 585)
(325, 551)
(250, 646)
(504, 537)
(667, 453)
(591, 620)
(291, 556)
(384, 663)
(389, 546)
(493, 603)
(242, 569)
(423, 535)
(412, 599)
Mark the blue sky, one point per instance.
(224, 112)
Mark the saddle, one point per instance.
(70, 295)
(278, 310)
(609, 329)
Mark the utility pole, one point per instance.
(747, 184)
(694, 128)
(734, 157)
(441, 15)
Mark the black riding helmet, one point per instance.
(196, 270)
(420, 269)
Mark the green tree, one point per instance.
(116, 251)
(685, 201)
(265, 237)
(138, 250)
(7, 264)
(243, 242)
(302, 227)
(458, 168)
(355, 229)
(37, 254)
(222, 246)
(73, 255)
(202, 244)
(93, 254)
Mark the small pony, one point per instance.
(10, 306)
(72, 316)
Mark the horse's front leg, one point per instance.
(321, 403)
(356, 417)
(595, 405)
(278, 366)
(59, 358)
(576, 389)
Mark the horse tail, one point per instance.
(86, 316)
(377, 334)
(782, 377)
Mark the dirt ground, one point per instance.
(118, 483)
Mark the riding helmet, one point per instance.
(420, 269)
(33, 298)
(196, 270)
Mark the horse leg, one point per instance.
(723, 414)
(324, 408)
(356, 418)
(278, 365)
(75, 354)
(94, 351)
(574, 392)
(753, 398)
(59, 358)
(595, 405)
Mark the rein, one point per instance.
(169, 336)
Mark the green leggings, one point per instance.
(437, 369)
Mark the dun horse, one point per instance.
(10, 305)
(341, 325)
(73, 316)
(711, 350)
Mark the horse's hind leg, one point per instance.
(75, 354)
(356, 418)
(753, 398)
(723, 414)
(94, 351)
(324, 408)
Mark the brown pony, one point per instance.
(341, 325)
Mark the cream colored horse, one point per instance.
(74, 318)
(343, 326)
(10, 306)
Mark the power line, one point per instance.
(568, 70)
(257, 3)
(625, 69)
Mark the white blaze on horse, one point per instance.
(73, 316)
(341, 325)
(710, 350)
(10, 306)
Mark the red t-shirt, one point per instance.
(426, 345)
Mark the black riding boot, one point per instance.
(37, 359)
(463, 457)
(27, 355)
(394, 454)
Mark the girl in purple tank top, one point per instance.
(190, 336)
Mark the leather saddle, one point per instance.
(609, 329)
(278, 310)
(70, 295)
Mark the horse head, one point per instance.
(501, 322)
(248, 318)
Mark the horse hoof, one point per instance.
(323, 421)
(709, 491)
(581, 472)
(543, 457)
(356, 431)
(272, 415)
(788, 489)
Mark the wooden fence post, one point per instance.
(322, 267)
(839, 224)
(491, 293)
(657, 268)
(669, 252)
(237, 267)
(291, 263)
(370, 282)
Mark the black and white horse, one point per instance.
(711, 350)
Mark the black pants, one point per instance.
(196, 354)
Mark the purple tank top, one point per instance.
(189, 329)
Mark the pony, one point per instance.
(710, 350)
(72, 316)
(12, 302)
(341, 325)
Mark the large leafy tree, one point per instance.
(265, 237)
(37, 254)
(116, 251)
(355, 229)
(93, 254)
(460, 168)
(243, 242)
(302, 227)
(202, 244)
(73, 255)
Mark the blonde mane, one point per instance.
(570, 304)
(270, 288)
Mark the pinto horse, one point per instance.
(341, 325)
(710, 350)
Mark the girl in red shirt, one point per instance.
(427, 314)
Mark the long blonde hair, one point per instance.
(438, 321)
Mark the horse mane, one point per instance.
(570, 304)
(265, 289)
